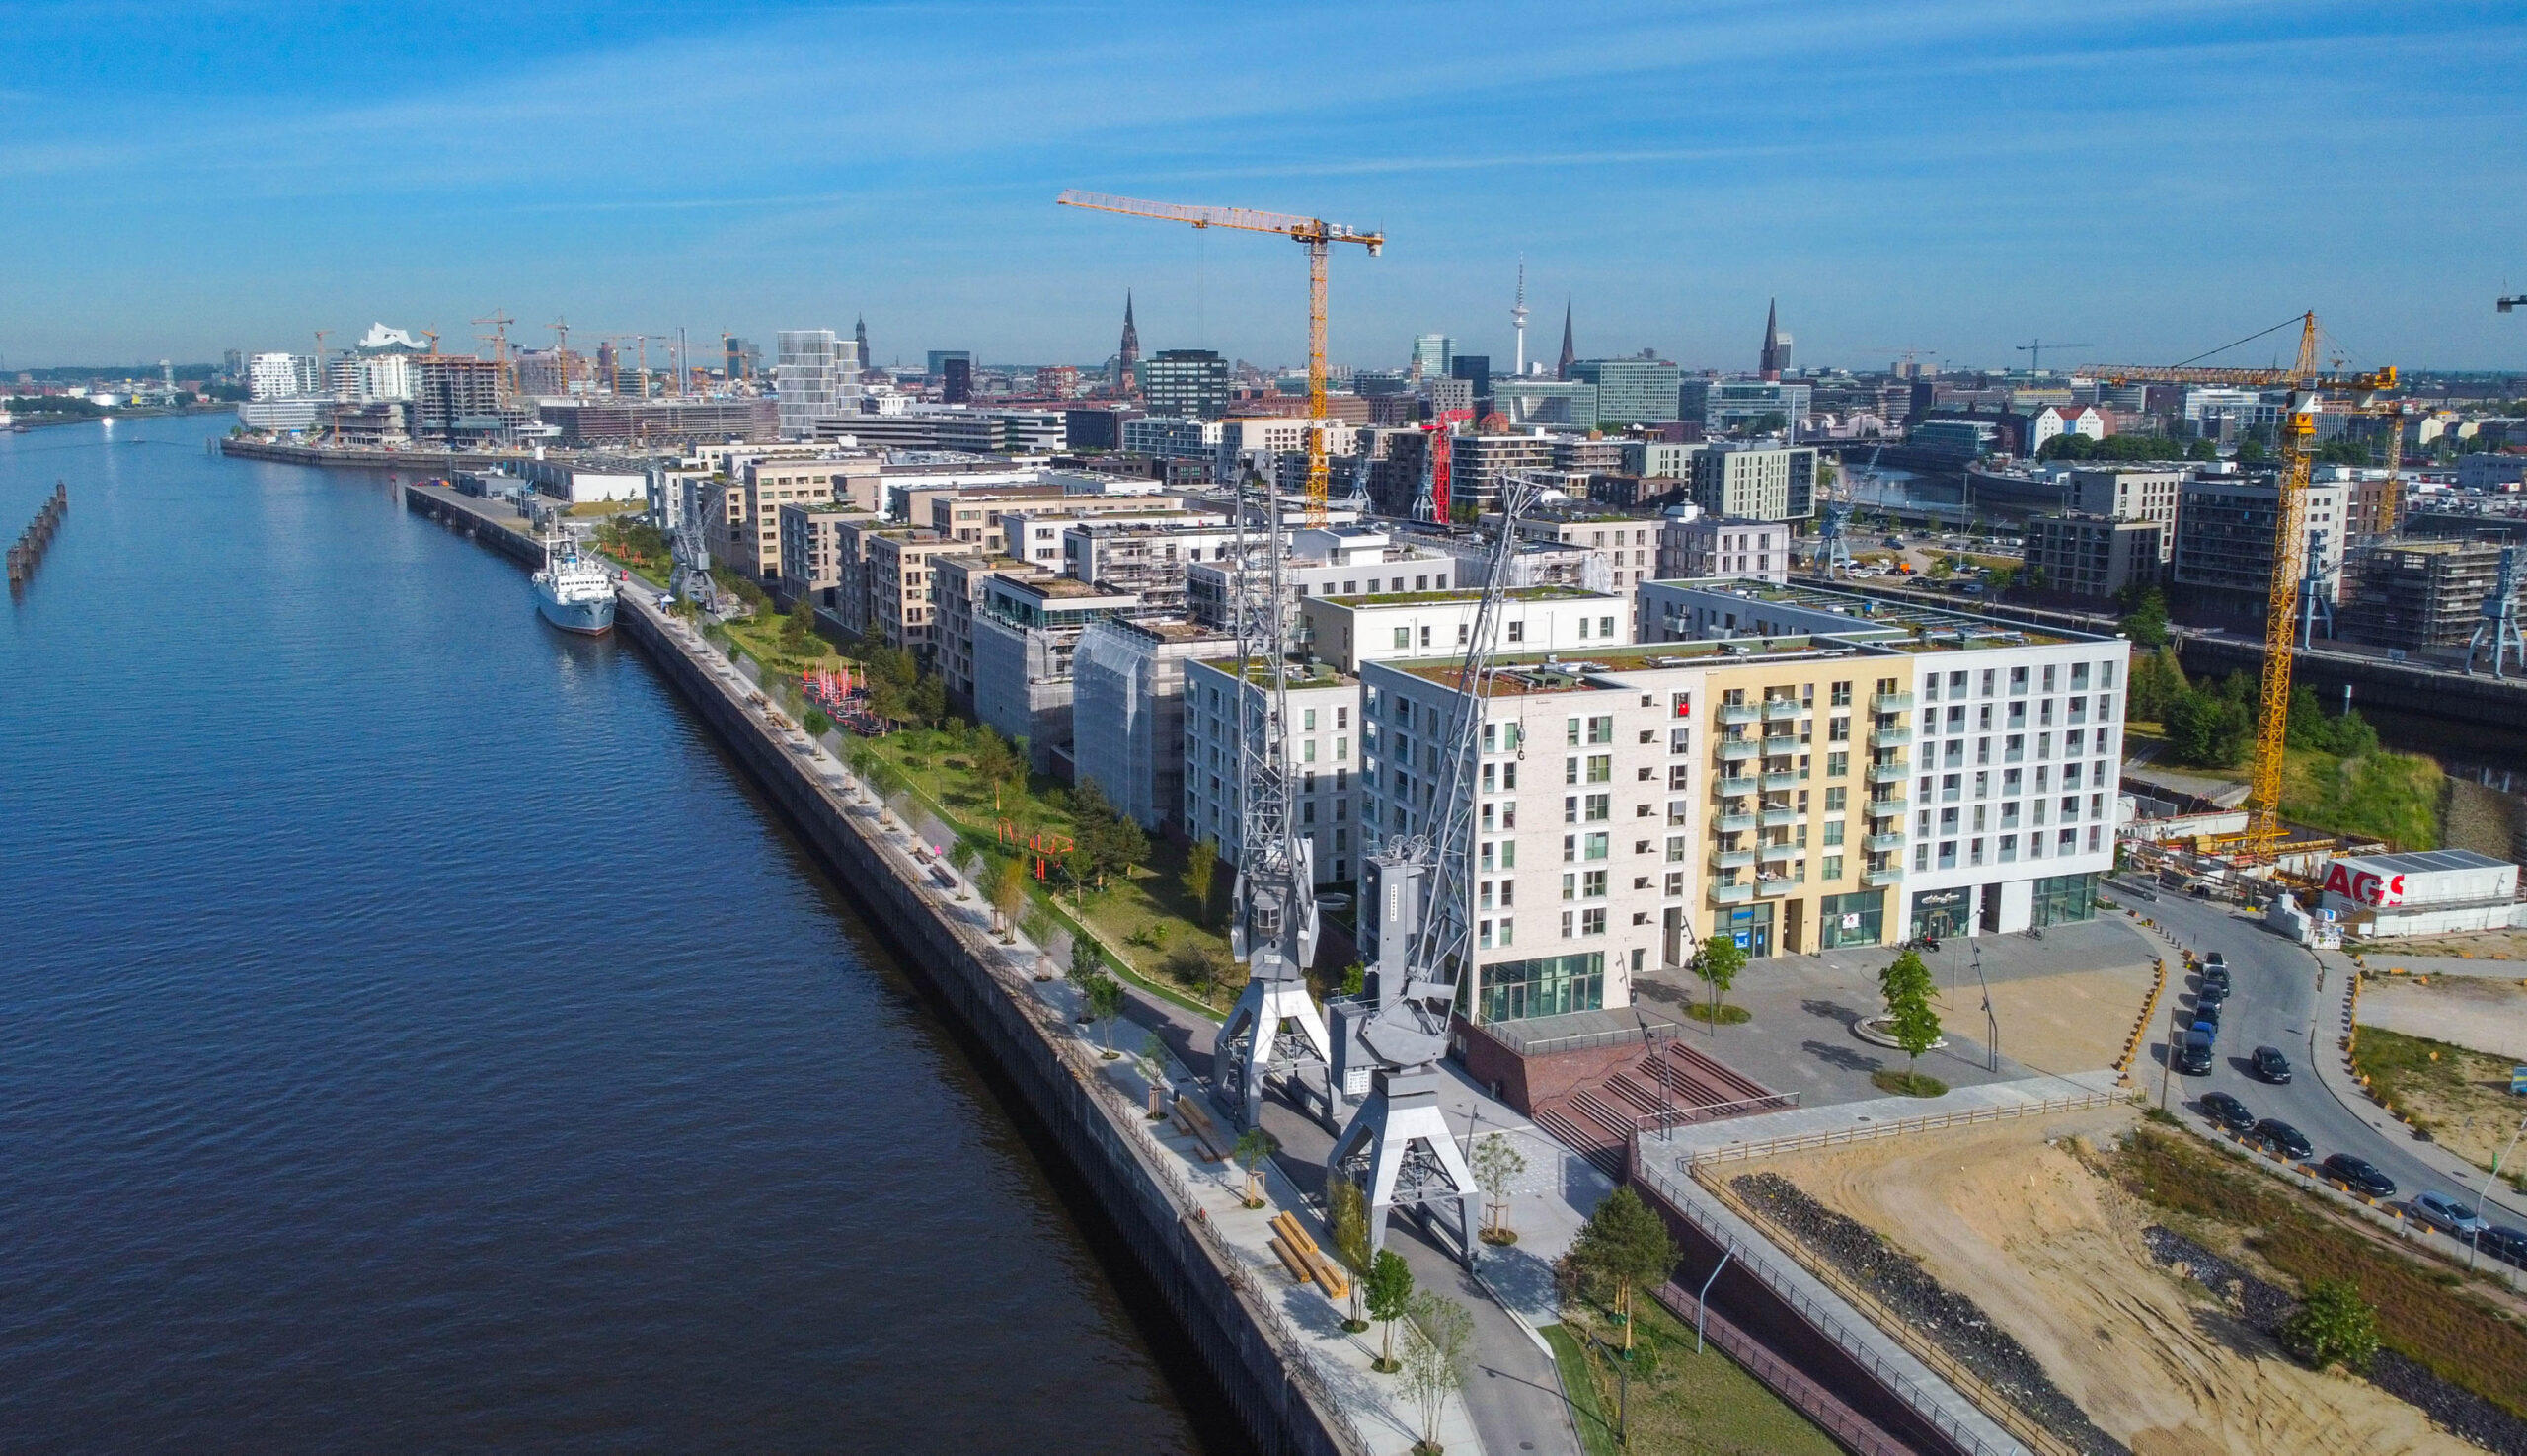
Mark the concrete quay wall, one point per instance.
(493, 523)
(1228, 1326)
(418, 461)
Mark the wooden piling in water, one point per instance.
(31, 543)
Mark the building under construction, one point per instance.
(2419, 595)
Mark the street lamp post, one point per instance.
(2482, 1200)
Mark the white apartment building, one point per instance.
(280, 377)
(2015, 767)
(1349, 631)
(1322, 733)
(1714, 546)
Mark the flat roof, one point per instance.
(1941, 627)
(1301, 675)
(1556, 672)
(2425, 861)
(1547, 592)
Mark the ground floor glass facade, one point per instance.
(1854, 919)
(2064, 898)
(1750, 926)
(1549, 985)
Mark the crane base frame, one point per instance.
(1414, 1161)
(1253, 1042)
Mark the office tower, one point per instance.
(807, 370)
(1430, 353)
(1186, 384)
(956, 380)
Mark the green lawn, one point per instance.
(2394, 796)
(1152, 904)
(1694, 1405)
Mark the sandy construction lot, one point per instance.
(2052, 1251)
(2070, 1023)
(2473, 1012)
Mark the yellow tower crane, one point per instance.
(2298, 435)
(1319, 236)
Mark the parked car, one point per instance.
(2270, 1065)
(2207, 1022)
(2215, 961)
(2506, 1244)
(2193, 1058)
(1895, 543)
(2283, 1138)
(2217, 975)
(2214, 994)
(2227, 1111)
(2447, 1215)
(2360, 1175)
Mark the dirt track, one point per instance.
(2054, 1254)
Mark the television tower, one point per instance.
(1518, 318)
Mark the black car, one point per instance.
(2193, 1058)
(2360, 1175)
(2270, 1065)
(2227, 1111)
(2502, 1242)
(2213, 993)
(2207, 1013)
(2283, 1138)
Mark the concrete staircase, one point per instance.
(1671, 1082)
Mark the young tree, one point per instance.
(1008, 897)
(1717, 961)
(1438, 1354)
(1390, 1281)
(798, 629)
(1253, 1145)
(995, 762)
(1105, 1003)
(1622, 1248)
(1154, 1067)
(1497, 1162)
(1906, 986)
(1201, 867)
(2333, 1323)
(1347, 1219)
(2146, 622)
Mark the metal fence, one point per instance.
(1930, 1122)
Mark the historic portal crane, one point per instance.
(1396, 1145)
(1319, 236)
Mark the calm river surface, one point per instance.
(414, 1035)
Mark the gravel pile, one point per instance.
(2264, 1306)
(1951, 1321)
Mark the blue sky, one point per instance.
(2150, 178)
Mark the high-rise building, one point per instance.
(1430, 356)
(743, 360)
(1476, 371)
(956, 380)
(233, 365)
(1186, 384)
(281, 376)
(810, 370)
(1128, 354)
(939, 357)
(1631, 391)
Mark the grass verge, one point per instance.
(1724, 1014)
(1908, 1084)
(2422, 1313)
(2394, 796)
(2460, 1097)
(1700, 1404)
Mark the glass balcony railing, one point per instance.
(1738, 712)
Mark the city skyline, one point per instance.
(1963, 177)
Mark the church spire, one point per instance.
(1569, 355)
(1130, 353)
(1770, 365)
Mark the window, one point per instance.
(1592, 885)
(1835, 799)
(1601, 730)
(1593, 846)
(1601, 767)
(1841, 695)
(1517, 632)
(1605, 625)
(1838, 731)
(1833, 868)
(1341, 751)
(1404, 637)
(1550, 985)
(1833, 832)
(1571, 731)
(1592, 922)
(1571, 887)
(1600, 807)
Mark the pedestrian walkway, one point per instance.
(2381, 959)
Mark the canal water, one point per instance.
(414, 1035)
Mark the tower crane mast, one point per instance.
(2307, 384)
(1318, 236)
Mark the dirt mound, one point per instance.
(2054, 1255)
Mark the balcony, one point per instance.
(1888, 773)
(1732, 894)
(1734, 788)
(1890, 702)
(1737, 750)
(1774, 888)
(1776, 818)
(1892, 875)
(1778, 782)
(1732, 714)
(1734, 823)
(1781, 710)
(1881, 844)
(1733, 859)
(1777, 852)
(1893, 806)
(1895, 737)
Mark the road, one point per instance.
(2274, 1002)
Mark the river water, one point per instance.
(414, 1035)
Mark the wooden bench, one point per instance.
(1305, 1258)
(1198, 1124)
